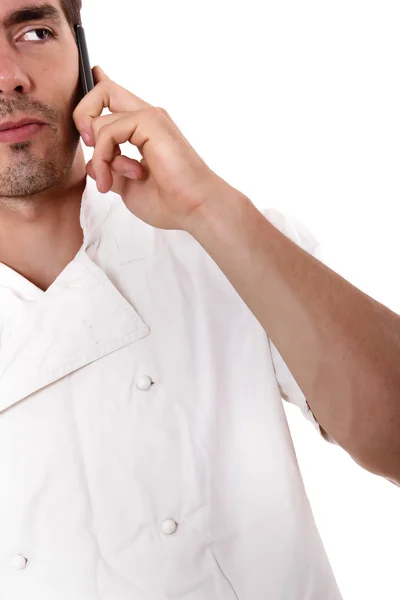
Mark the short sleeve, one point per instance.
(302, 236)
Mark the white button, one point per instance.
(18, 562)
(143, 382)
(169, 526)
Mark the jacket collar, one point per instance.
(96, 208)
(106, 216)
(80, 318)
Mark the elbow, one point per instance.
(369, 432)
(383, 466)
(375, 446)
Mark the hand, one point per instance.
(170, 184)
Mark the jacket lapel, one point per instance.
(81, 318)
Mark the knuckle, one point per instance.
(150, 110)
(162, 111)
(96, 125)
(77, 116)
(102, 134)
(154, 111)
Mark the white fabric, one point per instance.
(144, 448)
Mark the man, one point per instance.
(144, 449)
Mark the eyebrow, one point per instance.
(32, 12)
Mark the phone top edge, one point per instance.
(85, 68)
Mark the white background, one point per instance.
(297, 105)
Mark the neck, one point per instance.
(39, 236)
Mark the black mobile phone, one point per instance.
(86, 74)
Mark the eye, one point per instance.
(47, 33)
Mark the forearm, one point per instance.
(342, 347)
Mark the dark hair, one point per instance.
(72, 10)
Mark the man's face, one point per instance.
(39, 78)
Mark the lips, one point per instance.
(20, 134)
(9, 125)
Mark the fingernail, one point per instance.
(131, 175)
(87, 138)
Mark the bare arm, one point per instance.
(342, 347)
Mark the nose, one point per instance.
(12, 77)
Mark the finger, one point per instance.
(144, 165)
(99, 75)
(123, 168)
(89, 170)
(128, 167)
(101, 175)
(123, 165)
(89, 166)
(100, 122)
(105, 94)
(125, 129)
(125, 171)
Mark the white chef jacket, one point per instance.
(144, 448)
